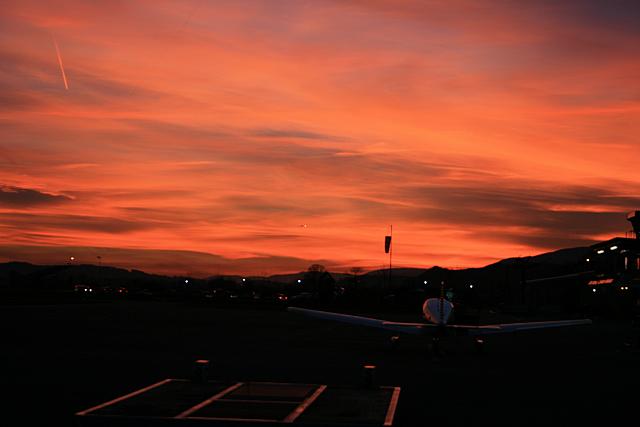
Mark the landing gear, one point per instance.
(436, 348)
(394, 342)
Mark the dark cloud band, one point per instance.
(16, 197)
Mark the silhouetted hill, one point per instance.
(293, 277)
(559, 257)
(17, 275)
(400, 272)
(20, 275)
(160, 261)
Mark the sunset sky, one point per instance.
(258, 137)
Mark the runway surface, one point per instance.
(60, 359)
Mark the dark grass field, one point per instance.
(59, 359)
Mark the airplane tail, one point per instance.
(441, 311)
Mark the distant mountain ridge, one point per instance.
(545, 263)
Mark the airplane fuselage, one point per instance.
(437, 310)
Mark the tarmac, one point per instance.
(60, 359)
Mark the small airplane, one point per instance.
(437, 312)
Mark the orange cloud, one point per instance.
(481, 130)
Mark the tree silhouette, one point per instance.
(320, 282)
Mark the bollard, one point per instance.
(200, 371)
(369, 372)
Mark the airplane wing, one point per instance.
(407, 328)
(422, 328)
(513, 327)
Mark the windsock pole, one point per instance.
(390, 254)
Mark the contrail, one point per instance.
(64, 76)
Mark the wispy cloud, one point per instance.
(43, 222)
(291, 133)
